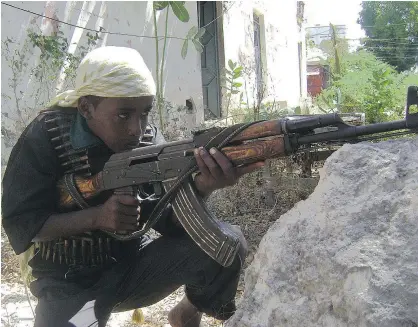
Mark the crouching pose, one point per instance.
(81, 275)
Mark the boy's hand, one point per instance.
(217, 171)
(118, 213)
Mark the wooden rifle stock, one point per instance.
(89, 187)
(241, 154)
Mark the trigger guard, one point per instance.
(141, 191)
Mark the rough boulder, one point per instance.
(348, 255)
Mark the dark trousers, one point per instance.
(149, 275)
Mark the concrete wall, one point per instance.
(130, 17)
(281, 37)
(182, 76)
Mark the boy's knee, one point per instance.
(243, 245)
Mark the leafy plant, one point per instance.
(194, 35)
(377, 103)
(367, 85)
(54, 52)
(268, 111)
(231, 84)
(33, 81)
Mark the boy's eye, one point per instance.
(123, 116)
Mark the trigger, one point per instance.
(141, 191)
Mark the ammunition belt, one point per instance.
(71, 160)
(74, 161)
(85, 250)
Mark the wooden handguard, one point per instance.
(254, 151)
(241, 154)
(260, 130)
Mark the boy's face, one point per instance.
(119, 122)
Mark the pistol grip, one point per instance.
(127, 190)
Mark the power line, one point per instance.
(391, 42)
(386, 43)
(410, 55)
(360, 38)
(345, 28)
(102, 30)
(371, 40)
(394, 56)
(85, 28)
(233, 3)
(387, 25)
(401, 58)
(378, 40)
(391, 45)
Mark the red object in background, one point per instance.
(317, 79)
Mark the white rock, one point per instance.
(348, 255)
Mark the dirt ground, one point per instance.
(247, 204)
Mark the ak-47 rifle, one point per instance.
(169, 168)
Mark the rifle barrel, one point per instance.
(352, 131)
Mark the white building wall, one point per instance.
(281, 41)
(182, 78)
(128, 17)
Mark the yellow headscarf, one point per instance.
(109, 72)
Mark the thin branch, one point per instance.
(157, 72)
(28, 298)
(164, 47)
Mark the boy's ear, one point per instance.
(85, 107)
